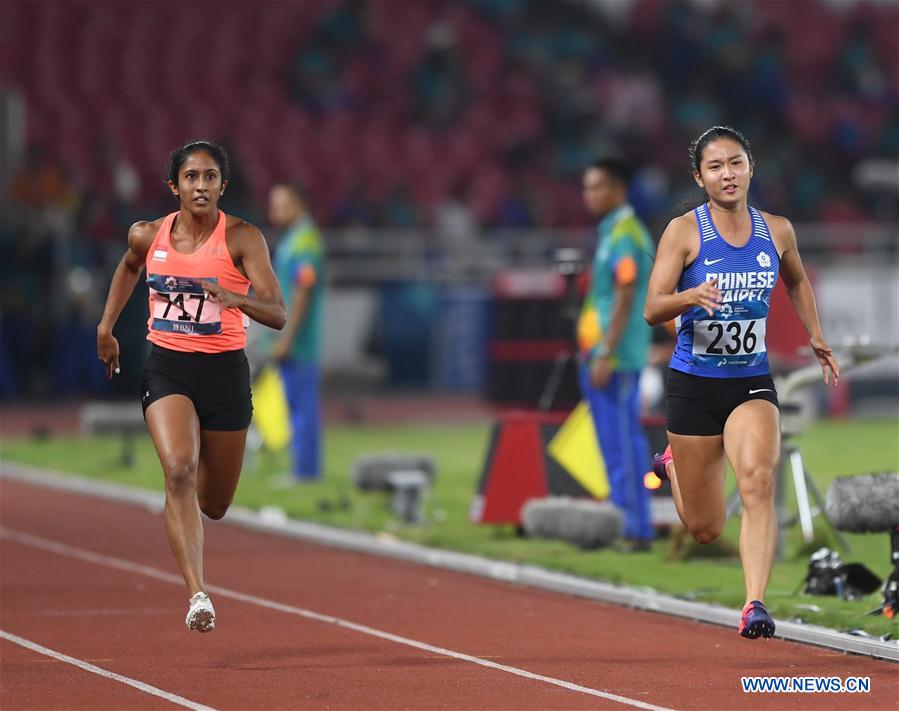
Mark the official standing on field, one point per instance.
(614, 340)
(300, 266)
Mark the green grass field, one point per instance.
(830, 448)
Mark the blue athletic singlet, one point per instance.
(730, 344)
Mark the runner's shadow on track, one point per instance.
(416, 661)
(292, 657)
(317, 656)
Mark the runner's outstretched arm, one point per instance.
(126, 274)
(266, 306)
(799, 289)
(663, 303)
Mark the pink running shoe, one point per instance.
(660, 463)
(755, 621)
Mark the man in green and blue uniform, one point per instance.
(300, 267)
(614, 339)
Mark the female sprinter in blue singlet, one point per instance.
(714, 273)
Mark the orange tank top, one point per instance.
(183, 316)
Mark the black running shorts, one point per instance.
(218, 384)
(700, 406)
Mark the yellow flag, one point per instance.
(270, 411)
(575, 448)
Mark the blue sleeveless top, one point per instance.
(730, 344)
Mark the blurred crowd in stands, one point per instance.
(453, 115)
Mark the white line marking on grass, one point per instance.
(139, 685)
(121, 564)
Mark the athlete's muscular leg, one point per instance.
(221, 457)
(175, 430)
(697, 483)
(752, 443)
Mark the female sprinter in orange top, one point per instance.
(195, 390)
(715, 270)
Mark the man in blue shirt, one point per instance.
(613, 341)
(300, 267)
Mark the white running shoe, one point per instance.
(201, 615)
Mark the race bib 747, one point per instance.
(181, 305)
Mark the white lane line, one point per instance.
(529, 576)
(121, 564)
(139, 685)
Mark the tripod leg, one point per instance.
(819, 502)
(734, 503)
(779, 504)
(799, 482)
(551, 389)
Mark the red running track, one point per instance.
(69, 588)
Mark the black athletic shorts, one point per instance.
(218, 384)
(700, 406)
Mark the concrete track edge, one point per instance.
(526, 575)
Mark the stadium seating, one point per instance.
(360, 98)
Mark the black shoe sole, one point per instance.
(758, 629)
